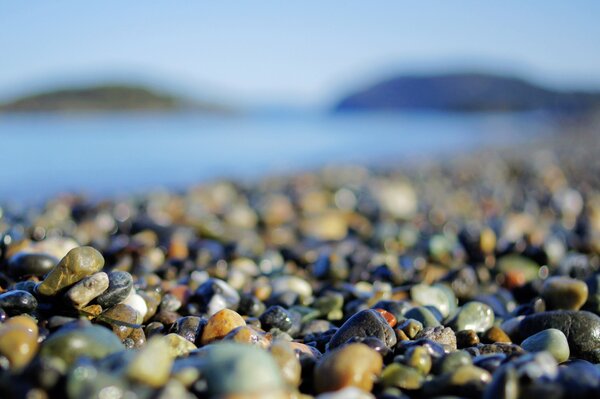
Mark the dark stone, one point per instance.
(366, 323)
(119, 287)
(435, 350)
(276, 317)
(190, 328)
(489, 362)
(580, 378)
(250, 306)
(18, 301)
(581, 328)
(30, 264)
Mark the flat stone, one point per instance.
(120, 284)
(551, 340)
(77, 264)
(474, 315)
(366, 323)
(87, 289)
(340, 368)
(581, 328)
(562, 292)
(122, 319)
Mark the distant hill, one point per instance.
(105, 98)
(465, 92)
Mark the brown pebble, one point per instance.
(138, 337)
(220, 324)
(401, 335)
(288, 363)
(18, 343)
(495, 334)
(340, 368)
(249, 335)
(466, 338)
(152, 300)
(120, 313)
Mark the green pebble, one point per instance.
(401, 376)
(551, 340)
(474, 315)
(453, 361)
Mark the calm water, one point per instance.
(110, 155)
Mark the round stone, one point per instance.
(289, 365)
(71, 342)
(551, 340)
(152, 364)
(402, 376)
(581, 328)
(474, 315)
(561, 292)
(220, 324)
(18, 343)
(77, 264)
(122, 318)
(442, 335)
(276, 317)
(87, 289)
(119, 287)
(215, 295)
(17, 302)
(351, 365)
(25, 264)
(236, 369)
(495, 334)
(423, 315)
(425, 295)
(178, 346)
(366, 323)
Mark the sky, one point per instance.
(284, 52)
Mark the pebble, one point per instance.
(424, 316)
(24, 264)
(581, 328)
(215, 295)
(82, 339)
(249, 335)
(190, 328)
(220, 324)
(339, 369)
(495, 334)
(442, 335)
(466, 338)
(87, 289)
(77, 264)
(19, 341)
(401, 376)
(366, 323)
(551, 340)
(474, 316)
(138, 303)
(289, 365)
(151, 365)
(120, 284)
(178, 346)
(236, 369)
(424, 295)
(561, 292)
(17, 302)
(346, 393)
(276, 317)
(122, 319)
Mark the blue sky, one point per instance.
(304, 52)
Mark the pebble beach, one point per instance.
(474, 277)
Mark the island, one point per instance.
(465, 92)
(108, 98)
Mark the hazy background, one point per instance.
(283, 65)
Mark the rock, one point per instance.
(87, 289)
(122, 319)
(289, 365)
(423, 315)
(276, 317)
(215, 295)
(495, 334)
(346, 393)
(249, 335)
(561, 292)
(351, 365)
(551, 340)
(401, 376)
(25, 264)
(581, 328)
(152, 300)
(17, 302)
(77, 264)
(293, 284)
(18, 341)
(474, 315)
(151, 364)
(504, 385)
(366, 323)
(138, 303)
(82, 339)
(220, 324)
(190, 328)
(410, 327)
(119, 287)
(178, 346)
(138, 338)
(235, 369)
(466, 338)
(425, 295)
(452, 361)
(418, 358)
(442, 335)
